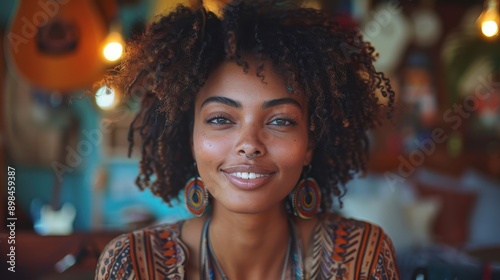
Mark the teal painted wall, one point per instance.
(36, 182)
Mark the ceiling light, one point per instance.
(489, 20)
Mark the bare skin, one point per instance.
(237, 115)
(191, 235)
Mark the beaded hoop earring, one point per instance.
(196, 196)
(306, 197)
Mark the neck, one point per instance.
(262, 237)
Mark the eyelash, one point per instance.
(215, 121)
(219, 117)
(286, 120)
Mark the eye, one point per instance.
(219, 120)
(282, 122)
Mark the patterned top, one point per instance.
(342, 249)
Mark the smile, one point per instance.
(247, 175)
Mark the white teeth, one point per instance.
(247, 175)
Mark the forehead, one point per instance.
(229, 80)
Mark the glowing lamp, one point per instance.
(114, 44)
(489, 20)
(105, 98)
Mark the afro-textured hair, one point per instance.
(318, 58)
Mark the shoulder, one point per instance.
(114, 262)
(351, 228)
(358, 249)
(149, 253)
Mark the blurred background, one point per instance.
(433, 181)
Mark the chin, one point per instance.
(250, 208)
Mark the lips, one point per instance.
(247, 177)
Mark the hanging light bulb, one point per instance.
(114, 44)
(489, 20)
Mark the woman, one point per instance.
(258, 117)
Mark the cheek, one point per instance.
(208, 150)
(292, 152)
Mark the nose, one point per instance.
(250, 144)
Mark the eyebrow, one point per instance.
(223, 100)
(237, 104)
(281, 101)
